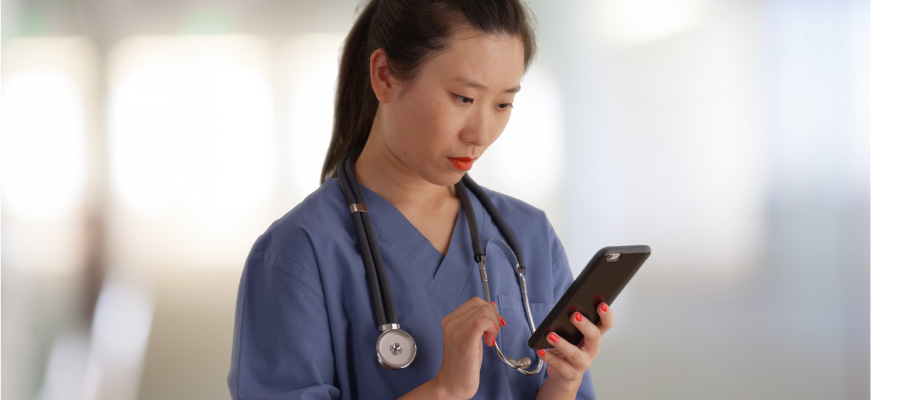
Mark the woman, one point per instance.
(425, 87)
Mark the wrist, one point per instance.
(555, 388)
(440, 391)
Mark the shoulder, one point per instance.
(294, 237)
(529, 224)
(519, 214)
(543, 252)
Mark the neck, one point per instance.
(385, 174)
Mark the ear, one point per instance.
(380, 76)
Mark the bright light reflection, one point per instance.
(119, 335)
(311, 63)
(636, 22)
(528, 159)
(680, 161)
(191, 124)
(43, 125)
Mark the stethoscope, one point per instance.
(396, 348)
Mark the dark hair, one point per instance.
(409, 31)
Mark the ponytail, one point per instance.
(409, 31)
(355, 102)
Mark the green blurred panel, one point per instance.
(209, 21)
(32, 23)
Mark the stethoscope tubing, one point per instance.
(495, 216)
(379, 288)
(466, 182)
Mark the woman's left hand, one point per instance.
(566, 362)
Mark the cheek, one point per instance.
(499, 126)
(435, 120)
(420, 122)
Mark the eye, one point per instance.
(505, 106)
(464, 99)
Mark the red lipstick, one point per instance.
(462, 163)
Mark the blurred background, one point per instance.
(146, 144)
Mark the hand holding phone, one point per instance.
(601, 281)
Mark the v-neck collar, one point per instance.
(449, 273)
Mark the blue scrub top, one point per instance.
(304, 325)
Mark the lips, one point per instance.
(462, 163)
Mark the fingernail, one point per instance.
(494, 304)
(496, 328)
(553, 337)
(541, 352)
(502, 321)
(578, 317)
(493, 341)
(604, 307)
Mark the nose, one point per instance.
(477, 130)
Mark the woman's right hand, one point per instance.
(464, 329)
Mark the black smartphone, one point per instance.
(601, 281)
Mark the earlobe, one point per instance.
(380, 75)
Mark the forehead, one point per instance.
(495, 61)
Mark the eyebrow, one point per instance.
(479, 86)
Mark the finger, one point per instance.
(607, 318)
(474, 317)
(499, 322)
(592, 334)
(478, 308)
(490, 338)
(463, 313)
(500, 319)
(490, 335)
(472, 329)
(574, 355)
(475, 303)
(477, 322)
(490, 310)
(484, 321)
(471, 304)
(560, 365)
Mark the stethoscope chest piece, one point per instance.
(395, 348)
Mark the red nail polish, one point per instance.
(494, 304)
(496, 328)
(493, 341)
(502, 321)
(541, 352)
(604, 307)
(553, 338)
(578, 317)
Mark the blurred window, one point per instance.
(192, 148)
(48, 84)
(310, 67)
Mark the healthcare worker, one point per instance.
(425, 87)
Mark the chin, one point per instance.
(447, 179)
